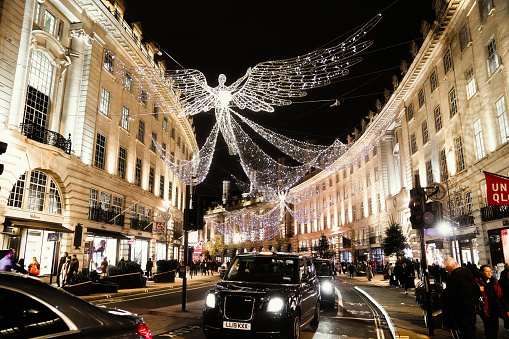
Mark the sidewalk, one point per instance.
(404, 312)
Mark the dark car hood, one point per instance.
(252, 287)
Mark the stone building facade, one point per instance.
(79, 106)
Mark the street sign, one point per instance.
(54, 236)
(160, 226)
(131, 239)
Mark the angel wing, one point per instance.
(195, 95)
(273, 83)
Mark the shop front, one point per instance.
(435, 252)
(345, 256)
(499, 245)
(102, 244)
(377, 256)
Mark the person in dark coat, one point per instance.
(60, 265)
(351, 269)
(398, 269)
(496, 306)
(459, 300)
(148, 267)
(504, 283)
(73, 268)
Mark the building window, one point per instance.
(128, 81)
(429, 172)
(165, 123)
(464, 37)
(370, 206)
(155, 113)
(344, 174)
(448, 65)
(353, 187)
(420, 97)
(143, 97)
(444, 172)
(413, 143)
(153, 142)
(330, 182)
(460, 160)
(37, 191)
(351, 169)
(360, 185)
(93, 201)
(433, 80)
(141, 131)
(124, 122)
(453, 102)
(337, 178)
(379, 202)
(161, 186)
(366, 159)
(176, 196)
(170, 195)
(324, 222)
(354, 213)
(338, 196)
(172, 134)
(151, 179)
(362, 210)
(137, 173)
(438, 119)
(478, 139)
(122, 156)
(377, 174)
(49, 23)
(471, 86)
(100, 151)
(16, 196)
(368, 179)
(502, 120)
(345, 194)
(104, 102)
(493, 62)
(485, 8)
(425, 135)
(108, 61)
(332, 220)
(410, 112)
(347, 219)
(163, 146)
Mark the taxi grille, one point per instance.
(238, 307)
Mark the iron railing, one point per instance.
(108, 217)
(141, 225)
(45, 136)
(490, 213)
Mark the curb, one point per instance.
(392, 328)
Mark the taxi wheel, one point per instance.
(316, 318)
(295, 329)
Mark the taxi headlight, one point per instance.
(327, 287)
(210, 300)
(275, 305)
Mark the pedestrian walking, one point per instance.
(65, 269)
(148, 268)
(495, 273)
(459, 301)
(104, 266)
(61, 263)
(496, 305)
(73, 267)
(351, 269)
(369, 272)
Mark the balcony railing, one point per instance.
(303, 249)
(141, 225)
(108, 217)
(490, 213)
(375, 239)
(45, 136)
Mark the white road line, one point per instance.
(340, 302)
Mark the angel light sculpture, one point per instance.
(264, 86)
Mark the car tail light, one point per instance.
(143, 330)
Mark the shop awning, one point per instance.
(42, 225)
(106, 233)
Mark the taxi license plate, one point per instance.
(236, 326)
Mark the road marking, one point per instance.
(340, 302)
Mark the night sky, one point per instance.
(228, 37)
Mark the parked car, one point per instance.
(30, 308)
(325, 273)
(272, 294)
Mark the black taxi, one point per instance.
(264, 294)
(325, 272)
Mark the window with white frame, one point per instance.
(379, 202)
(353, 187)
(93, 201)
(464, 36)
(165, 123)
(155, 111)
(104, 101)
(460, 159)
(485, 8)
(444, 171)
(141, 131)
(370, 206)
(49, 23)
(471, 86)
(124, 122)
(153, 142)
(377, 174)
(433, 80)
(425, 135)
(17, 192)
(421, 98)
(362, 210)
(161, 186)
(347, 219)
(137, 173)
(478, 140)
(429, 172)
(410, 112)
(108, 61)
(453, 102)
(143, 97)
(122, 156)
(331, 200)
(448, 65)
(492, 58)
(354, 213)
(413, 143)
(100, 151)
(37, 191)
(345, 192)
(338, 196)
(502, 120)
(54, 201)
(332, 220)
(151, 179)
(368, 179)
(128, 81)
(170, 193)
(438, 118)
(105, 203)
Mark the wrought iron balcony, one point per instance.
(45, 136)
(490, 213)
(141, 225)
(108, 217)
(375, 239)
(303, 249)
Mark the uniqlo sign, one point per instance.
(497, 189)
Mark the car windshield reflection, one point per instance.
(323, 268)
(264, 269)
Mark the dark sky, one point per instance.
(228, 37)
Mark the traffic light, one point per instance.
(416, 206)
(432, 214)
(193, 217)
(3, 148)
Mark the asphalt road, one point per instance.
(353, 317)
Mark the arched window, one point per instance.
(38, 193)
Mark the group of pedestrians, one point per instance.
(403, 273)
(205, 267)
(67, 267)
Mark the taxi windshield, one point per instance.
(323, 268)
(264, 269)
